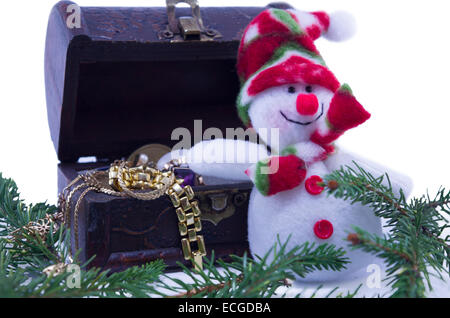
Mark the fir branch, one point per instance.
(415, 240)
(348, 294)
(376, 245)
(387, 198)
(360, 186)
(414, 244)
(260, 277)
(404, 275)
(14, 213)
(22, 263)
(441, 200)
(133, 282)
(27, 248)
(24, 258)
(405, 270)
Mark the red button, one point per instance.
(312, 185)
(323, 229)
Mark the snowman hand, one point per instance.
(344, 113)
(277, 174)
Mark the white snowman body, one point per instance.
(293, 213)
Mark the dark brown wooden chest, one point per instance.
(125, 78)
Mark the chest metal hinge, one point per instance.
(186, 28)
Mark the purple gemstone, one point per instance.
(189, 180)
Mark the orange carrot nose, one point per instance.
(307, 104)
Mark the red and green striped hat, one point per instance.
(277, 48)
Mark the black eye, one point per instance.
(309, 89)
(291, 89)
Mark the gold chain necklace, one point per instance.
(142, 183)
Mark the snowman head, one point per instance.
(295, 110)
(286, 84)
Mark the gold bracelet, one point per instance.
(189, 222)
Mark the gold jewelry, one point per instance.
(40, 228)
(55, 270)
(188, 213)
(125, 181)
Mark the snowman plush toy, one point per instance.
(286, 85)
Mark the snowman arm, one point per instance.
(277, 174)
(308, 151)
(221, 158)
(345, 158)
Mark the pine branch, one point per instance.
(414, 245)
(14, 214)
(360, 186)
(405, 276)
(441, 200)
(133, 282)
(334, 293)
(24, 257)
(261, 277)
(415, 240)
(405, 271)
(376, 245)
(27, 248)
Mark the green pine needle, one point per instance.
(415, 245)
(244, 277)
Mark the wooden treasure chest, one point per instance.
(120, 78)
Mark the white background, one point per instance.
(398, 65)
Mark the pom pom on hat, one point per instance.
(342, 26)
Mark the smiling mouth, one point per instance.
(299, 122)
